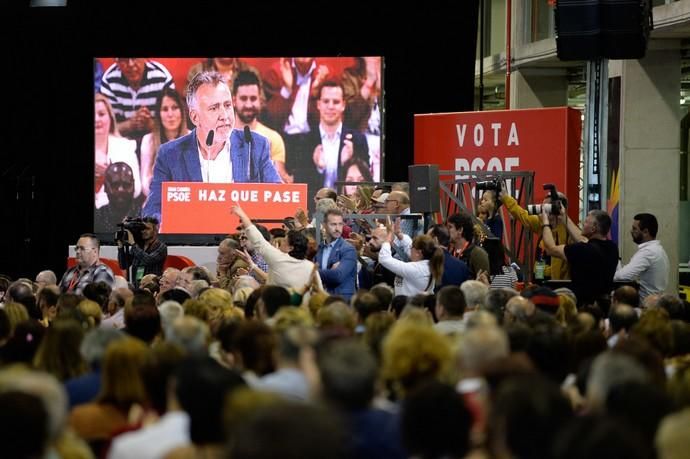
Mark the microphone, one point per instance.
(209, 138)
(248, 140)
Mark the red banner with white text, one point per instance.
(204, 208)
(546, 141)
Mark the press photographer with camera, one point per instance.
(592, 257)
(139, 248)
(555, 268)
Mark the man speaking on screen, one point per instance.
(214, 152)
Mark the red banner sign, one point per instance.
(204, 208)
(546, 141)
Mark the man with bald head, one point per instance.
(398, 202)
(119, 186)
(45, 278)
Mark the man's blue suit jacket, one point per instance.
(178, 161)
(341, 280)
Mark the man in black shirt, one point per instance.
(592, 259)
(146, 253)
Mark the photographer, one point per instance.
(139, 247)
(556, 268)
(593, 257)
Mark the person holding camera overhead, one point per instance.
(140, 248)
(556, 268)
(592, 257)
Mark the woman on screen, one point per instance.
(169, 123)
(356, 170)
(111, 148)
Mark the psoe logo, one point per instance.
(179, 194)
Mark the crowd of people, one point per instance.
(308, 124)
(382, 340)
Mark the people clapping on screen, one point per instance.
(111, 148)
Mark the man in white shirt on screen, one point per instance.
(649, 265)
(214, 152)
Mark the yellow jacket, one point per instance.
(558, 269)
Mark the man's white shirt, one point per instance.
(649, 266)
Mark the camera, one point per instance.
(554, 208)
(134, 224)
(489, 185)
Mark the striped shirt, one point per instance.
(505, 280)
(126, 100)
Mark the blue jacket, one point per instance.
(178, 161)
(341, 280)
(455, 271)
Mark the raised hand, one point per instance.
(347, 151)
(318, 158)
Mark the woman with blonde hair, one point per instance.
(59, 352)
(121, 388)
(111, 148)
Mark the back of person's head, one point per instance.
(452, 300)
(336, 317)
(121, 383)
(291, 316)
(23, 344)
(475, 293)
(190, 334)
(639, 406)
(92, 311)
(480, 346)
(271, 431)
(5, 328)
(68, 302)
(414, 353)
(59, 351)
(366, 304)
(384, 293)
(543, 298)
(602, 220)
(179, 295)
(673, 305)
(256, 344)
(596, 436)
(681, 337)
(201, 387)
(95, 343)
(22, 292)
(142, 319)
(16, 313)
(23, 425)
(160, 365)
(550, 350)
(398, 303)
(98, 292)
(376, 328)
(299, 244)
(435, 422)
(609, 370)
(348, 373)
(274, 297)
(169, 311)
(672, 439)
(622, 317)
(647, 222)
(525, 405)
(626, 295)
(496, 301)
(654, 326)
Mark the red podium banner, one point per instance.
(204, 208)
(546, 141)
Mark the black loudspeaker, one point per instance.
(424, 188)
(594, 29)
